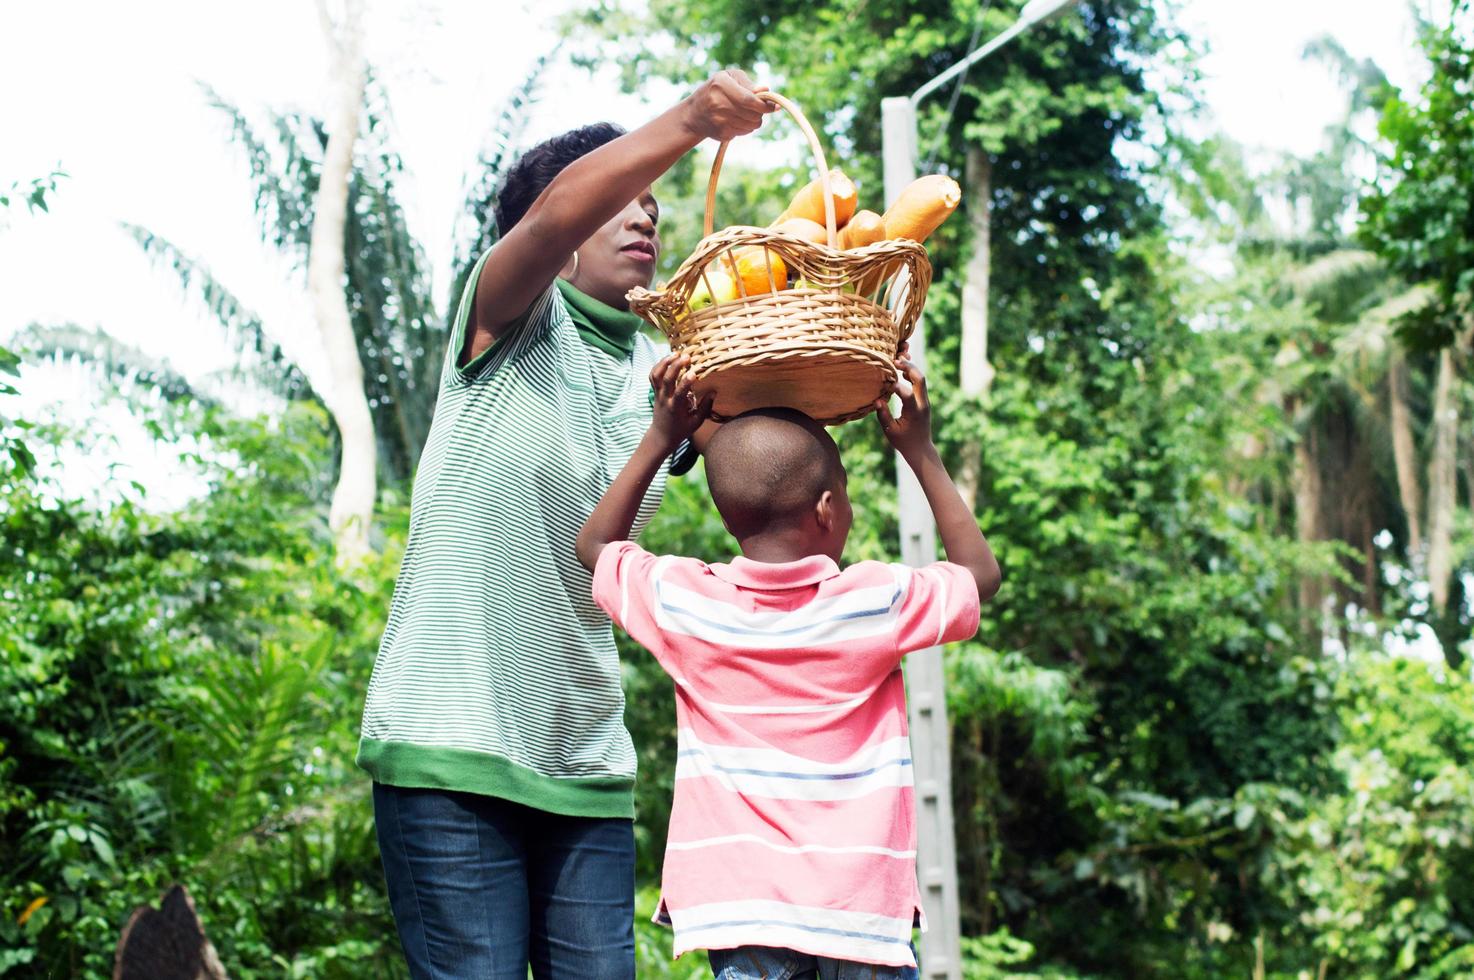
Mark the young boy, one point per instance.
(792, 846)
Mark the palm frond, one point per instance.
(256, 377)
(1367, 340)
(250, 724)
(1405, 303)
(303, 140)
(1330, 271)
(262, 358)
(389, 316)
(389, 293)
(284, 181)
(127, 366)
(1363, 79)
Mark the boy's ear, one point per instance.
(824, 510)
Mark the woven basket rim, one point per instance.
(901, 261)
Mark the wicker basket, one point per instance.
(825, 349)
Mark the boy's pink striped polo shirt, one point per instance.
(793, 823)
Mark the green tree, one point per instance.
(1420, 213)
(1141, 700)
(1420, 219)
(1357, 421)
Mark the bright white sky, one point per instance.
(108, 92)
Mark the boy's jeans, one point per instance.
(767, 963)
(480, 887)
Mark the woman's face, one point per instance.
(619, 256)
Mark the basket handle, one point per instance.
(818, 151)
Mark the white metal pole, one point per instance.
(926, 682)
(926, 694)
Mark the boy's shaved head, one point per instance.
(768, 468)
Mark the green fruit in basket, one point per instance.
(700, 298)
(722, 289)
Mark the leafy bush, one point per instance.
(179, 702)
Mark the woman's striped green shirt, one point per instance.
(497, 674)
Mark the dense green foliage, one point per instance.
(178, 704)
(1421, 216)
(1185, 742)
(1147, 725)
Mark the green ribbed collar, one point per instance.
(600, 325)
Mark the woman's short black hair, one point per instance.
(536, 168)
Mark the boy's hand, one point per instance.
(912, 431)
(897, 384)
(677, 414)
(910, 434)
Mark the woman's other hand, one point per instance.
(725, 106)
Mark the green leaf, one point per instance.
(103, 848)
(11, 958)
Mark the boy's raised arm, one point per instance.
(676, 416)
(910, 434)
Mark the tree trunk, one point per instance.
(167, 943)
(1404, 452)
(1468, 457)
(975, 374)
(1442, 482)
(1466, 453)
(1309, 523)
(353, 498)
(1248, 448)
(1371, 568)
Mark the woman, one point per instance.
(493, 727)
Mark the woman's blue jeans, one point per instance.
(482, 887)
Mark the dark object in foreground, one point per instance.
(167, 943)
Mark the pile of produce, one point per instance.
(754, 271)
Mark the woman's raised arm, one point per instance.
(593, 189)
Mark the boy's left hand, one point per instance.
(677, 413)
(911, 432)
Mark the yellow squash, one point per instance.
(809, 201)
(922, 207)
(809, 231)
(865, 228)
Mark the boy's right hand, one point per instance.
(912, 431)
(725, 106)
(676, 413)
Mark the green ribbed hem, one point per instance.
(460, 770)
